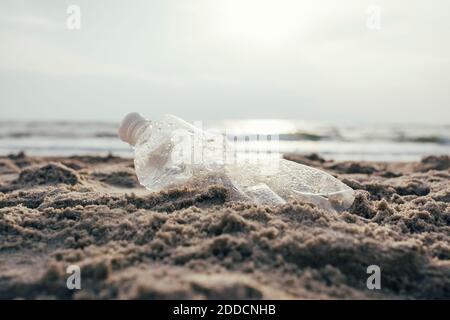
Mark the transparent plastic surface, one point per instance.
(171, 151)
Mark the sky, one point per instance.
(324, 60)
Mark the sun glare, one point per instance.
(264, 22)
(260, 126)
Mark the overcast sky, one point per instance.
(215, 59)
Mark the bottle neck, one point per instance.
(136, 131)
(131, 127)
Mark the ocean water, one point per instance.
(371, 142)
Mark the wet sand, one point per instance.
(198, 241)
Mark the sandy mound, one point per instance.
(52, 173)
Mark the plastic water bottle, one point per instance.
(171, 151)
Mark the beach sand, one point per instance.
(197, 242)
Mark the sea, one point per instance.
(355, 141)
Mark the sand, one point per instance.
(198, 241)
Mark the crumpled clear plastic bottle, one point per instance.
(170, 151)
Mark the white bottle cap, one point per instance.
(130, 126)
